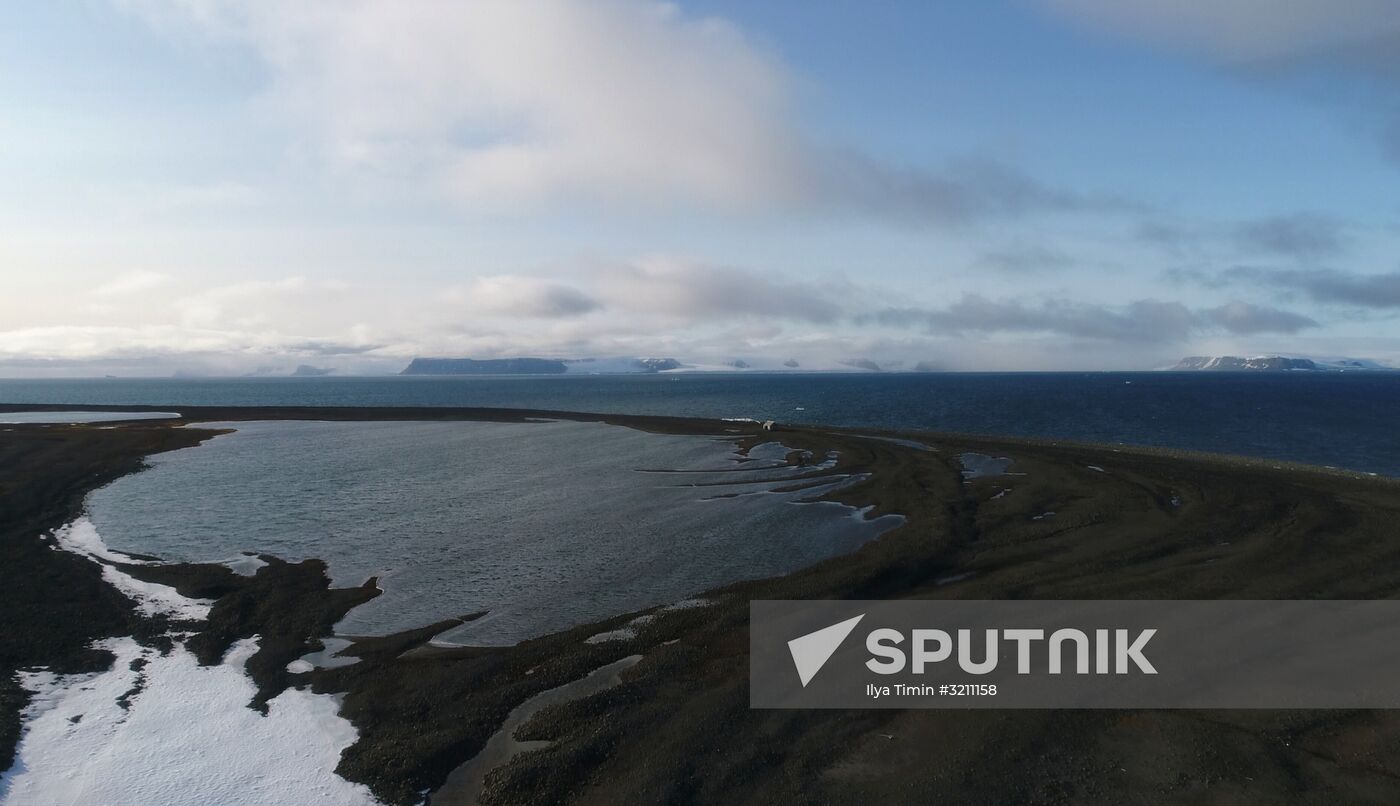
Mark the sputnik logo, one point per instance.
(811, 652)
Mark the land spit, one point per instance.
(1127, 523)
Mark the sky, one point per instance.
(227, 187)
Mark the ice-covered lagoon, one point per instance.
(544, 525)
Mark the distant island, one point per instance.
(308, 371)
(489, 366)
(1272, 363)
(641, 366)
(538, 366)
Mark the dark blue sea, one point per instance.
(1347, 420)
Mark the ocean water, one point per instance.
(544, 525)
(1346, 420)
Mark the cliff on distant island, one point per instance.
(1228, 363)
(488, 366)
(657, 364)
(308, 371)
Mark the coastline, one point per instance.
(1126, 522)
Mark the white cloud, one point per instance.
(60, 342)
(508, 104)
(247, 302)
(131, 283)
(512, 101)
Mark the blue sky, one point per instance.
(220, 186)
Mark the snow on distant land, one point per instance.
(188, 737)
(171, 732)
(81, 537)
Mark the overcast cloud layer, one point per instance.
(239, 186)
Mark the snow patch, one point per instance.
(245, 564)
(187, 737)
(81, 537)
(152, 599)
(626, 632)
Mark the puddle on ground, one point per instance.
(325, 658)
(906, 443)
(980, 465)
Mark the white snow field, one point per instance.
(186, 734)
(81, 537)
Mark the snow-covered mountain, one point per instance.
(1275, 363)
(620, 366)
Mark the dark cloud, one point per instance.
(561, 301)
(1300, 235)
(1245, 319)
(517, 296)
(1144, 320)
(1200, 278)
(962, 194)
(1027, 260)
(1390, 140)
(696, 291)
(1371, 62)
(1327, 285)
(1166, 235)
(1140, 321)
(329, 348)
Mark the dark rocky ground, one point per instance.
(1157, 524)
